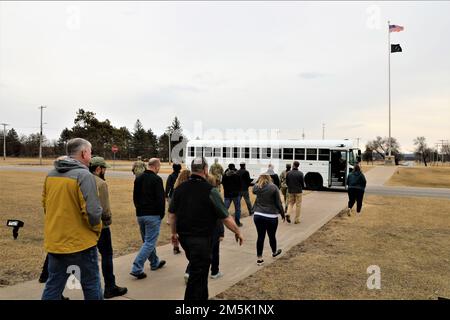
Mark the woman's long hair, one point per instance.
(182, 177)
(263, 180)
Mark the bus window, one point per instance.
(191, 151)
(288, 153)
(311, 154)
(208, 152)
(198, 151)
(217, 152)
(255, 153)
(351, 158)
(236, 152)
(324, 154)
(276, 153)
(246, 153)
(299, 154)
(226, 152)
(265, 153)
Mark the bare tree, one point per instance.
(422, 150)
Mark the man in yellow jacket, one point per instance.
(72, 223)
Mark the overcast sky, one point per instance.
(231, 65)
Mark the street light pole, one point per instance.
(40, 137)
(4, 140)
(170, 151)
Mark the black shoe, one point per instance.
(43, 279)
(277, 253)
(176, 250)
(115, 292)
(239, 224)
(141, 275)
(64, 298)
(288, 218)
(161, 264)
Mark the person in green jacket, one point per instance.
(356, 183)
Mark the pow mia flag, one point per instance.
(396, 48)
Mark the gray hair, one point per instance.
(153, 162)
(76, 145)
(198, 164)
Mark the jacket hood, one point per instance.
(230, 172)
(68, 164)
(270, 172)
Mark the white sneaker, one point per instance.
(217, 275)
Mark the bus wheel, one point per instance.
(313, 181)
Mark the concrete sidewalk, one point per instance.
(236, 263)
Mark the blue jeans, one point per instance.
(237, 208)
(149, 226)
(59, 269)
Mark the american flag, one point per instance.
(395, 28)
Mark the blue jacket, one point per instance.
(356, 180)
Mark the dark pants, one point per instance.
(198, 252)
(83, 265)
(104, 246)
(355, 195)
(248, 203)
(44, 273)
(265, 225)
(215, 254)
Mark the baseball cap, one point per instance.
(99, 162)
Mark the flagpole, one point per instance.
(389, 72)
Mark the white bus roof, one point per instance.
(300, 143)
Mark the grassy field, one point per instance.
(408, 238)
(432, 177)
(20, 198)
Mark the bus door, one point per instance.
(338, 168)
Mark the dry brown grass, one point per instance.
(408, 238)
(432, 177)
(20, 198)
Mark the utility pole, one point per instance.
(170, 151)
(323, 131)
(40, 137)
(303, 134)
(4, 139)
(357, 144)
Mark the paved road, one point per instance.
(409, 191)
(109, 173)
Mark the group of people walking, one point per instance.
(78, 216)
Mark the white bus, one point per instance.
(324, 163)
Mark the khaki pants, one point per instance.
(295, 199)
(285, 195)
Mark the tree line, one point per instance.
(379, 148)
(101, 134)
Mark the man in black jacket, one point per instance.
(231, 188)
(295, 184)
(244, 175)
(195, 207)
(149, 200)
